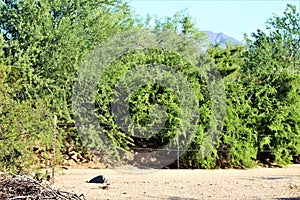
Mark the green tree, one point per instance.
(52, 38)
(115, 87)
(181, 22)
(235, 145)
(24, 124)
(271, 76)
(144, 99)
(43, 45)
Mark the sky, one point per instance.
(234, 18)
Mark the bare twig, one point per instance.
(24, 188)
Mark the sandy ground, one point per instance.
(131, 183)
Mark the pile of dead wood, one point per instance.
(25, 188)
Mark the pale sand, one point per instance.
(130, 183)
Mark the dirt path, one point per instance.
(129, 183)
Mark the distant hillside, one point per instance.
(220, 38)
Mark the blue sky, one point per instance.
(234, 18)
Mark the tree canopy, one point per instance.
(44, 44)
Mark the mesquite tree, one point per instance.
(44, 43)
(271, 75)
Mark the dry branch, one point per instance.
(13, 187)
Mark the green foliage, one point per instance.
(236, 144)
(181, 22)
(226, 60)
(262, 95)
(271, 76)
(52, 37)
(43, 44)
(25, 126)
(155, 110)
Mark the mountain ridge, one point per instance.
(220, 38)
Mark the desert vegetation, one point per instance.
(44, 43)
